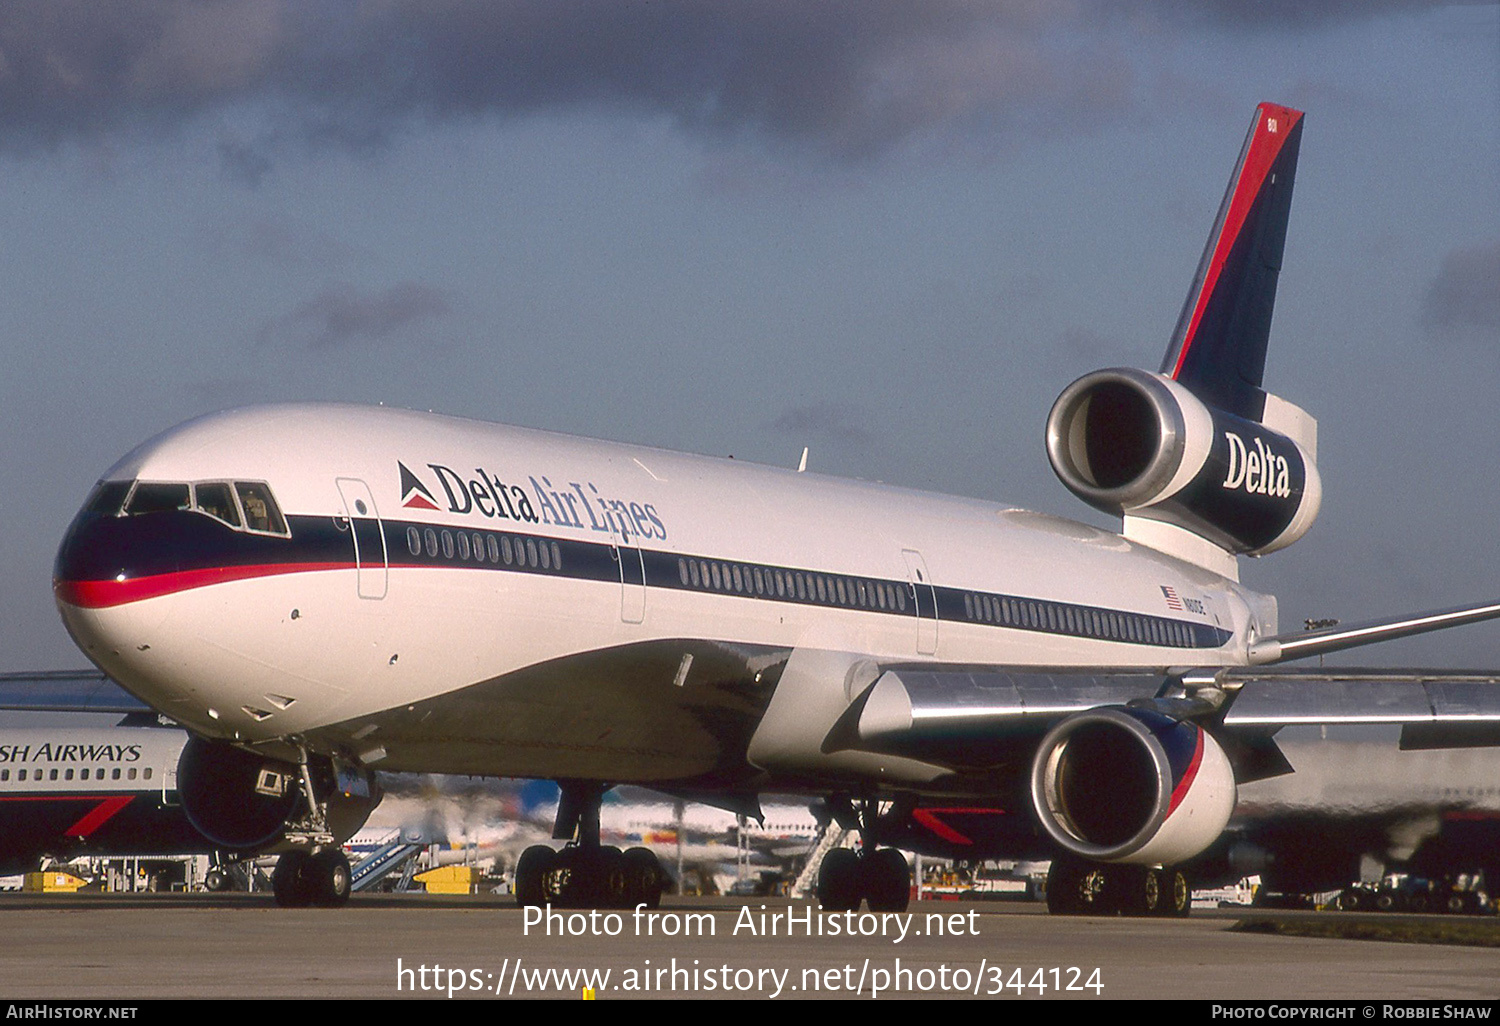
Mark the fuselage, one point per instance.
(68, 791)
(442, 595)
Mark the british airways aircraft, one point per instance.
(320, 591)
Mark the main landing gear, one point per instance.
(586, 874)
(1076, 887)
(879, 876)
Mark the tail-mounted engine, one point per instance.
(1141, 445)
(244, 801)
(1116, 784)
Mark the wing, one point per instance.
(947, 715)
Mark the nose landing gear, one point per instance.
(303, 878)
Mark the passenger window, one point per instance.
(217, 501)
(157, 498)
(261, 512)
(147, 774)
(414, 541)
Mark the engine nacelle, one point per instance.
(1116, 784)
(243, 801)
(1138, 444)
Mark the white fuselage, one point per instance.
(417, 614)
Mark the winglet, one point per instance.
(1218, 349)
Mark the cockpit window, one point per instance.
(150, 497)
(261, 511)
(107, 498)
(215, 499)
(242, 505)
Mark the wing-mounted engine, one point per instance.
(1142, 445)
(1117, 784)
(245, 801)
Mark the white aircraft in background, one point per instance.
(88, 789)
(319, 591)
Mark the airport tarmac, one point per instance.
(242, 946)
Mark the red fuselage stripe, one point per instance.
(102, 594)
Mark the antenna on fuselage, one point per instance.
(802, 463)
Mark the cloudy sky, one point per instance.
(890, 231)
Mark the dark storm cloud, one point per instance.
(847, 78)
(341, 316)
(1275, 15)
(1464, 298)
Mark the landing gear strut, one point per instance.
(1076, 887)
(879, 876)
(586, 874)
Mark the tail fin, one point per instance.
(1218, 349)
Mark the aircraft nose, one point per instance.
(105, 560)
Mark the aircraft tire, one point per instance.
(531, 870)
(1177, 894)
(646, 880)
(887, 880)
(1136, 890)
(611, 878)
(328, 878)
(1079, 888)
(839, 882)
(289, 880)
(216, 880)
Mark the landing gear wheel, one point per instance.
(1077, 888)
(291, 880)
(644, 878)
(1177, 894)
(566, 883)
(839, 882)
(330, 879)
(887, 880)
(216, 880)
(531, 871)
(611, 882)
(1138, 890)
